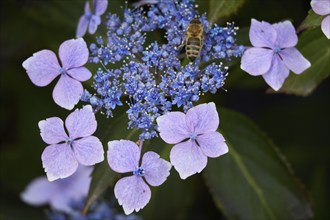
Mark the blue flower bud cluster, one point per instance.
(156, 77)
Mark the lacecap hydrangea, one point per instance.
(155, 78)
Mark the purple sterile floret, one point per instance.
(65, 151)
(322, 7)
(195, 135)
(58, 194)
(90, 20)
(274, 53)
(132, 192)
(43, 67)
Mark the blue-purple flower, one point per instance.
(154, 77)
(58, 194)
(90, 20)
(274, 53)
(132, 192)
(322, 7)
(43, 67)
(65, 151)
(195, 135)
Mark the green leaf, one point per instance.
(253, 181)
(314, 45)
(312, 20)
(219, 9)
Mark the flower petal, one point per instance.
(88, 150)
(67, 92)
(94, 22)
(58, 161)
(132, 193)
(81, 74)
(100, 6)
(321, 7)
(42, 68)
(82, 26)
(203, 118)
(73, 188)
(277, 74)
(325, 25)
(52, 130)
(212, 144)
(61, 203)
(172, 127)
(73, 53)
(156, 169)
(294, 60)
(81, 122)
(262, 34)
(286, 34)
(256, 61)
(39, 192)
(188, 159)
(123, 156)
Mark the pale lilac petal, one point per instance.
(79, 182)
(100, 6)
(61, 203)
(262, 34)
(256, 61)
(82, 26)
(42, 68)
(39, 192)
(87, 8)
(81, 73)
(52, 130)
(94, 22)
(294, 60)
(73, 188)
(321, 7)
(156, 169)
(203, 118)
(188, 159)
(123, 156)
(81, 122)
(172, 127)
(132, 193)
(67, 92)
(277, 74)
(325, 25)
(212, 144)
(286, 34)
(88, 150)
(73, 53)
(58, 161)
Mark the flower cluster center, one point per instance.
(139, 172)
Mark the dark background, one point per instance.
(300, 126)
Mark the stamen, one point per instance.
(139, 172)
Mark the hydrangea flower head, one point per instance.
(274, 53)
(195, 135)
(43, 67)
(132, 192)
(65, 151)
(90, 20)
(154, 75)
(58, 194)
(322, 7)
